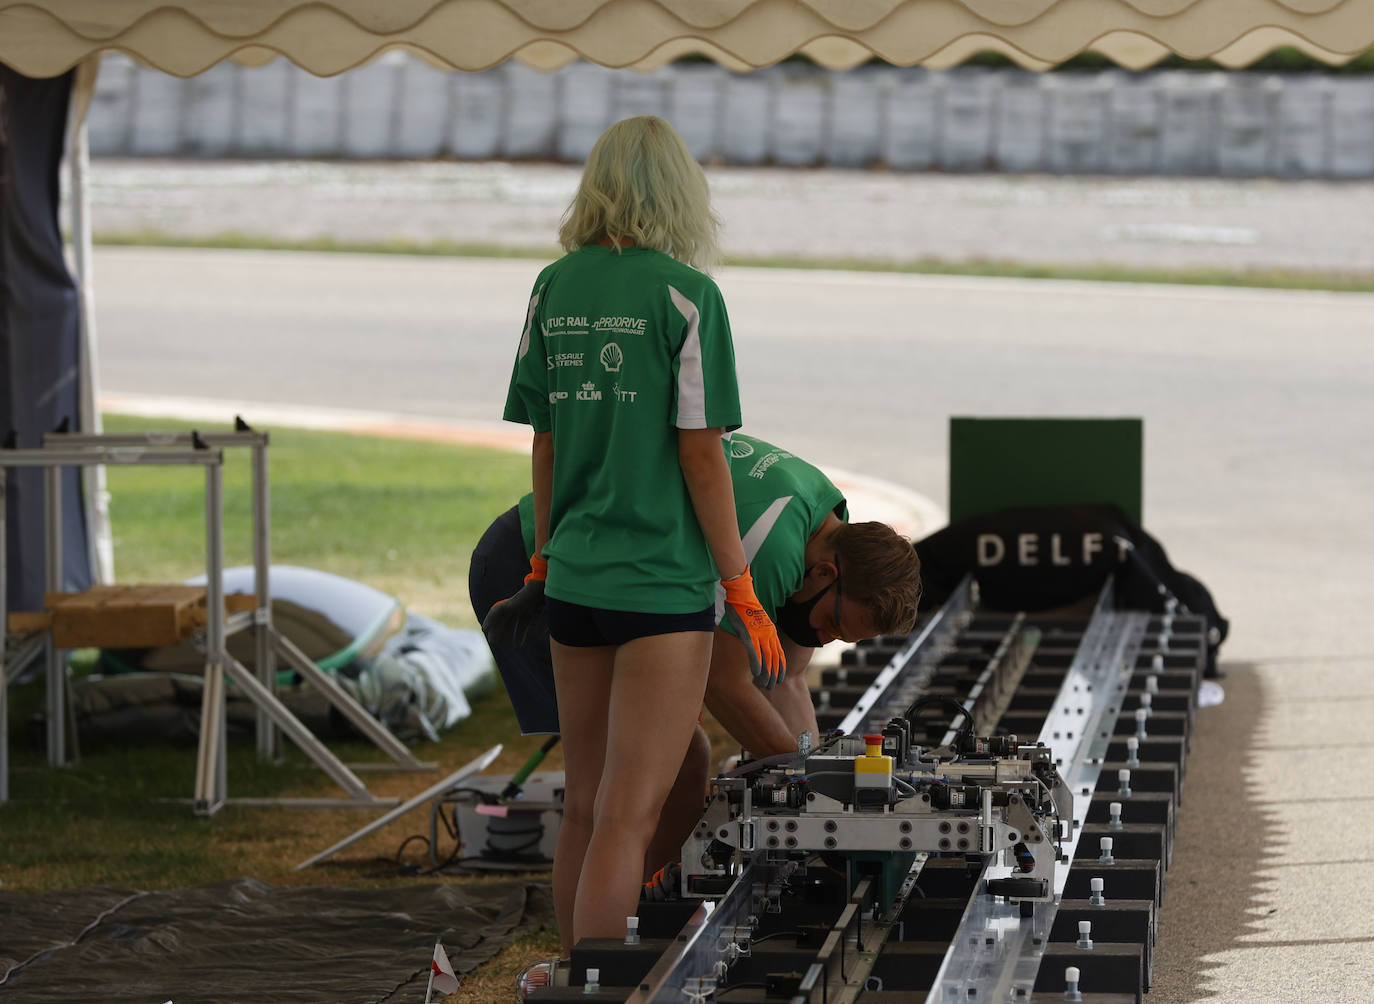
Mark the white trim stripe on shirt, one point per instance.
(752, 541)
(529, 323)
(691, 379)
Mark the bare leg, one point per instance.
(582, 680)
(683, 807)
(656, 693)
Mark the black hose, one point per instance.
(933, 699)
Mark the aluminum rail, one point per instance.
(995, 953)
(688, 970)
(909, 670)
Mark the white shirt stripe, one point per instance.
(752, 541)
(691, 379)
(529, 324)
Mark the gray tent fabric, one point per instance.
(245, 940)
(40, 328)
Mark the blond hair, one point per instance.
(879, 570)
(641, 186)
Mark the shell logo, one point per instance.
(739, 449)
(612, 357)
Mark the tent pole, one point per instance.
(96, 495)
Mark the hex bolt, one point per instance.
(1096, 898)
(1132, 752)
(1105, 858)
(1114, 808)
(1123, 780)
(592, 984)
(1071, 984)
(631, 930)
(1151, 685)
(1140, 715)
(1085, 936)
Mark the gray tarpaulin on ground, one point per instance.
(246, 940)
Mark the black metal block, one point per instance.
(1134, 840)
(1113, 968)
(1128, 878)
(1118, 921)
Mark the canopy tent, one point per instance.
(187, 37)
(50, 38)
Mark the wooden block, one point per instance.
(134, 616)
(124, 616)
(234, 603)
(27, 621)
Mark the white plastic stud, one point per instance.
(1157, 664)
(592, 984)
(1095, 887)
(1114, 810)
(1123, 781)
(1140, 715)
(1147, 700)
(1151, 685)
(631, 930)
(1085, 935)
(1106, 855)
(1071, 991)
(1133, 752)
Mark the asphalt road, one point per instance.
(1258, 405)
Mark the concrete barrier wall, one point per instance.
(1169, 122)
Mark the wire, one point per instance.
(751, 985)
(933, 699)
(776, 934)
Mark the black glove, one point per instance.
(511, 621)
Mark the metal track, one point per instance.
(1108, 661)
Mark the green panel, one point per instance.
(997, 463)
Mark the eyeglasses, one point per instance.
(835, 629)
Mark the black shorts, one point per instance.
(577, 626)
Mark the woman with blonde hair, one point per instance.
(626, 373)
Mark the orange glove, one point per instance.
(760, 637)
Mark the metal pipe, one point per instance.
(55, 671)
(263, 633)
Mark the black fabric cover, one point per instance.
(40, 329)
(244, 940)
(1043, 557)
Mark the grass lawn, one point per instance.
(400, 516)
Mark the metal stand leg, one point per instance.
(350, 708)
(268, 744)
(210, 776)
(4, 627)
(56, 670)
(4, 705)
(298, 733)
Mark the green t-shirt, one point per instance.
(780, 501)
(619, 351)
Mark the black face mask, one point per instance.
(794, 620)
